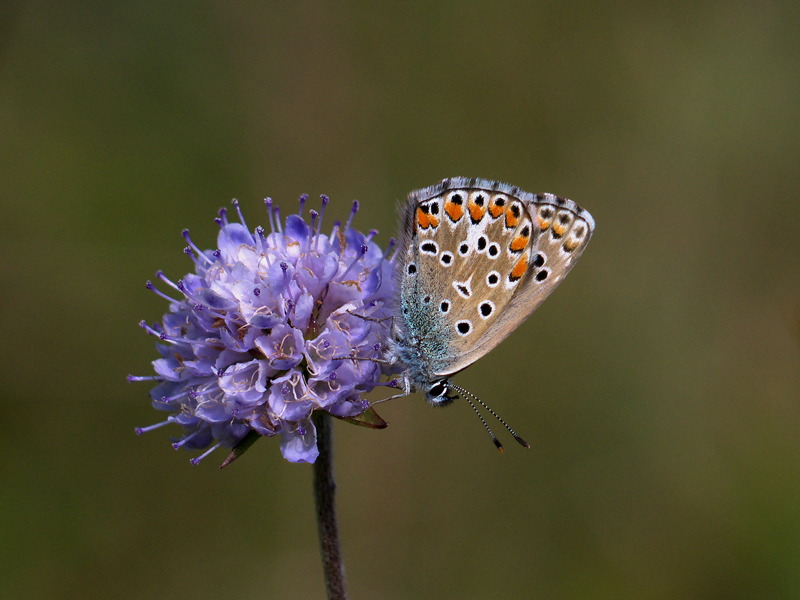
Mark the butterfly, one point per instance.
(476, 258)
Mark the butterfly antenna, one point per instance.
(485, 424)
(494, 414)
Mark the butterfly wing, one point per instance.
(562, 231)
(488, 255)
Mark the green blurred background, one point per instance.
(659, 386)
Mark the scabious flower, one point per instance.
(256, 340)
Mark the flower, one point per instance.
(257, 339)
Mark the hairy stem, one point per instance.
(324, 497)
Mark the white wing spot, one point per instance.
(429, 247)
(464, 288)
(464, 327)
(542, 275)
(486, 309)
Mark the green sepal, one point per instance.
(241, 447)
(368, 418)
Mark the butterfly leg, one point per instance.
(381, 361)
(373, 319)
(407, 390)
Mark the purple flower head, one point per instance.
(249, 343)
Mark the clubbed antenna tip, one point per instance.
(469, 395)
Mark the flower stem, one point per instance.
(324, 497)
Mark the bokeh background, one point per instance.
(659, 386)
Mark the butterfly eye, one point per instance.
(437, 389)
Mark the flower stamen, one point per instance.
(314, 214)
(235, 202)
(362, 252)
(350, 218)
(141, 430)
(196, 461)
(133, 378)
(200, 253)
(181, 442)
(169, 282)
(303, 198)
(158, 292)
(325, 200)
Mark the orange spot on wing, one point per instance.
(559, 228)
(434, 221)
(495, 210)
(519, 242)
(453, 210)
(571, 244)
(422, 219)
(512, 220)
(476, 212)
(543, 223)
(519, 269)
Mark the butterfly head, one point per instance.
(438, 393)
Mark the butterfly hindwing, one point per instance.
(561, 231)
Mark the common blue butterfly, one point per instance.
(476, 258)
